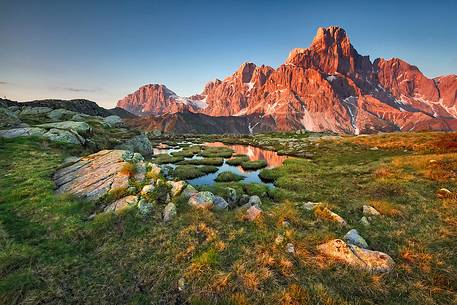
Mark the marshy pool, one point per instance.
(271, 158)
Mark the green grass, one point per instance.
(228, 177)
(253, 165)
(50, 253)
(237, 160)
(222, 152)
(215, 161)
(185, 172)
(269, 175)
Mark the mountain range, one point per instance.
(328, 86)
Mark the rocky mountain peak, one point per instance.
(329, 37)
(245, 71)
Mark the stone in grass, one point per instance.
(122, 203)
(64, 136)
(290, 248)
(353, 237)
(176, 187)
(22, 132)
(443, 193)
(169, 212)
(202, 200)
(254, 200)
(310, 205)
(144, 207)
(253, 213)
(113, 121)
(220, 203)
(147, 190)
(154, 169)
(244, 199)
(364, 221)
(325, 213)
(188, 191)
(371, 261)
(232, 196)
(370, 211)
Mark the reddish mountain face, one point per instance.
(157, 100)
(326, 87)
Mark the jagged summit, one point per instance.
(328, 86)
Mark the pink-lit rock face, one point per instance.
(326, 87)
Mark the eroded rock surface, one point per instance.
(93, 176)
(373, 261)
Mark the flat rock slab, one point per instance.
(372, 261)
(93, 176)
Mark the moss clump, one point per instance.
(166, 158)
(228, 177)
(253, 165)
(184, 172)
(222, 152)
(208, 169)
(269, 175)
(215, 161)
(237, 160)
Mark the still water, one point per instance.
(251, 176)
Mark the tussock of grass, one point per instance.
(237, 160)
(269, 175)
(222, 152)
(128, 169)
(228, 177)
(253, 165)
(166, 158)
(215, 161)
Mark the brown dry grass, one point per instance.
(430, 141)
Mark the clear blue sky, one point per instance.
(103, 50)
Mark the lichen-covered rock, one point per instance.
(255, 201)
(244, 199)
(139, 144)
(364, 221)
(310, 205)
(122, 203)
(144, 207)
(176, 187)
(169, 212)
(93, 176)
(353, 237)
(113, 121)
(220, 203)
(372, 261)
(188, 191)
(202, 200)
(154, 169)
(57, 114)
(64, 136)
(79, 127)
(147, 190)
(80, 117)
(370, 211)
(232, 196)
(22, 132)
(8, 118)
(34, 110)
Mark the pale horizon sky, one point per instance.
(104, 50)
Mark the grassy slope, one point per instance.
(51, 254)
